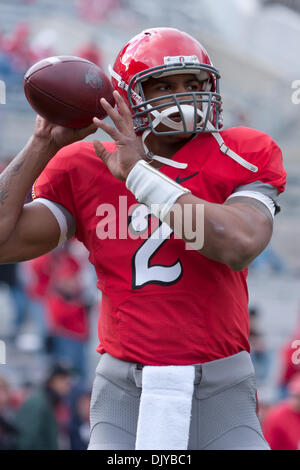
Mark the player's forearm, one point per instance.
(219, 232)
(16, 181)
(225, 235)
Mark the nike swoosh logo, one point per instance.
(181, 180)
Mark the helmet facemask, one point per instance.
(148, 114)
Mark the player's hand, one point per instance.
(129, 146)
(56, 136)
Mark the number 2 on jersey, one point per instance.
(142, 272)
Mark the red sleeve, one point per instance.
(261, 150)
(54, 182)
(271, 168)
(66, 178)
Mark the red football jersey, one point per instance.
(162, 304)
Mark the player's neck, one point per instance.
(165, 146)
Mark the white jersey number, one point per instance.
(142, 272)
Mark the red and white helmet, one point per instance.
(161, 52)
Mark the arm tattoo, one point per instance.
(16, 167)
(3, 194)
(6, 178)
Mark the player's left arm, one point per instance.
(258, 222)
(234, 233)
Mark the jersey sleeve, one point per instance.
(66, 181)
(260, 149)
(270, 202)
(54, 183)
(64, 218)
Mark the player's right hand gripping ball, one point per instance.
(66, 90)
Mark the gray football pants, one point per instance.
(223, 409)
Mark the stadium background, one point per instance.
(254, 43)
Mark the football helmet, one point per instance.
(161, 52)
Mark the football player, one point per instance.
(175, 370)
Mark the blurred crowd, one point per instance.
(23, 46)
(52, 297)
(20, 49)
(53, 416)
(280, 413)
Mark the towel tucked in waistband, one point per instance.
(165, 408)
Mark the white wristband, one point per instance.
(153, 188)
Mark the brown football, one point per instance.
(66, 90)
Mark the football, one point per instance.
(66, 90)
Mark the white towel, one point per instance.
(165, 408)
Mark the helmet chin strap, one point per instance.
(188, 113)
(166, 161)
